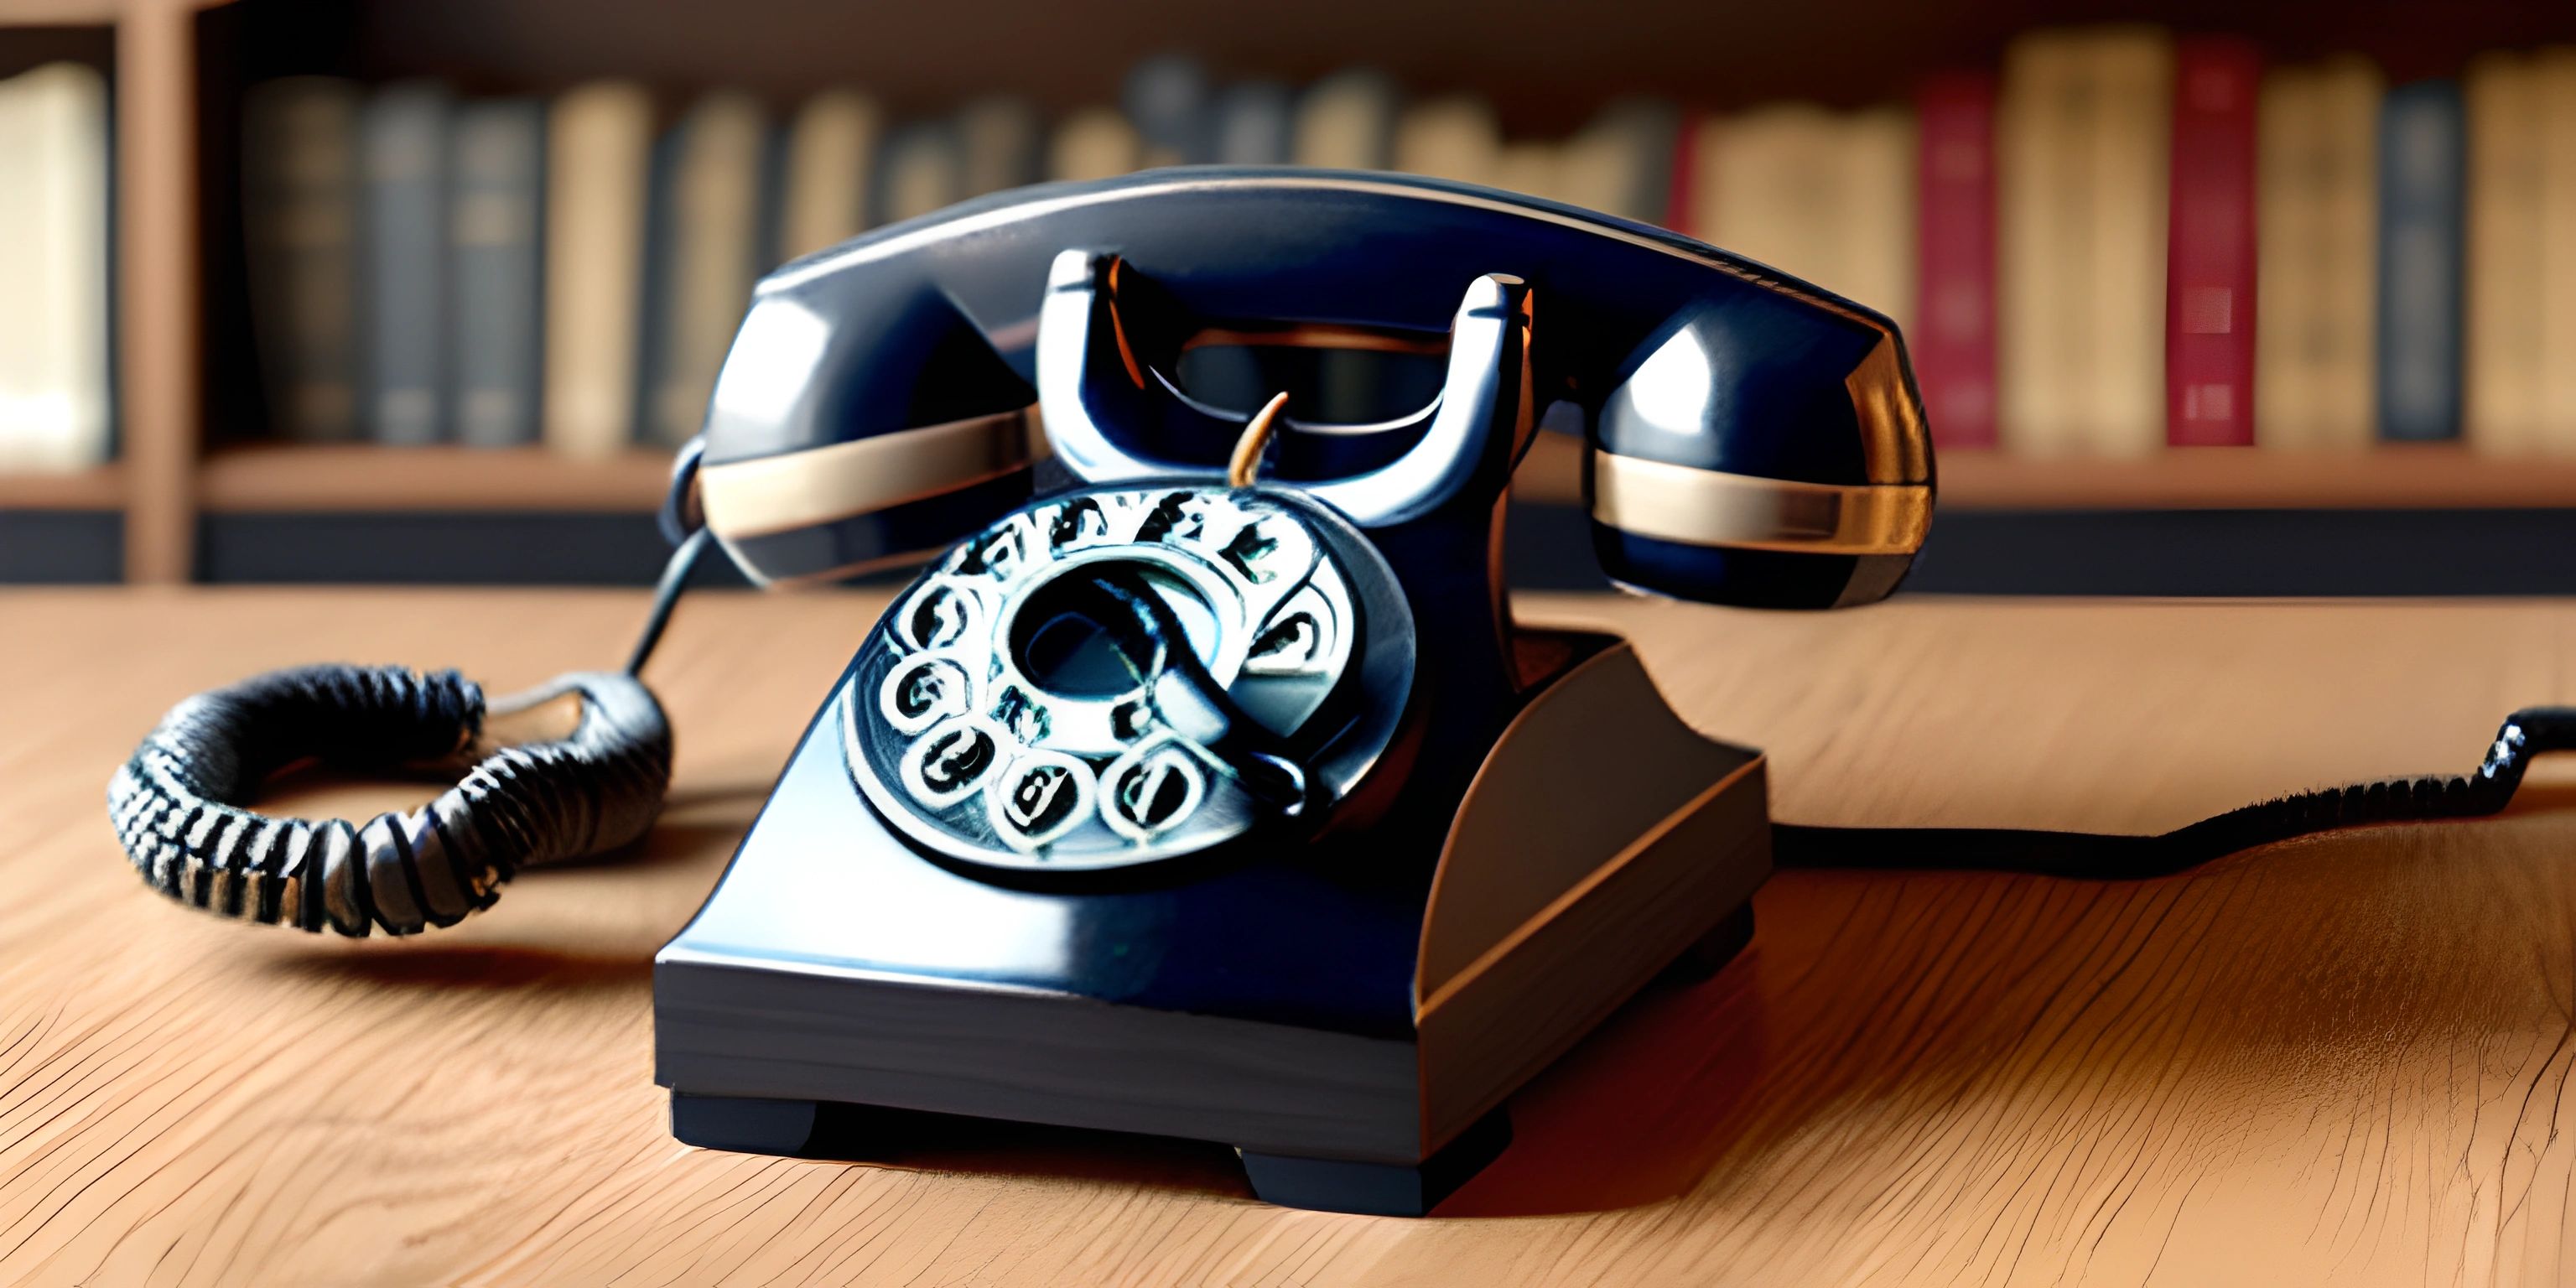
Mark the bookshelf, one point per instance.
(191, 458)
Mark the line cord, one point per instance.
(2108, 857)
(666, 595)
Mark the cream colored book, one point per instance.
(1529, 166)
(1592, 171)
(2556, 71)
(2083, 148)
(709, 257)
(998, 143)
(1621, 162)
(2317, 231)
(1878, 213)
(1346, 122)
(1093, 143)
(920, 172)
(1456, 137)
(2131, 157)
(599, 142)
(2501, 359)
(2343, 358)
(53, 269)
(2043, 118)
(831, 150)
(1773, 182)
(1820, 196)
(2287, 125)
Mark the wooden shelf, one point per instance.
(98, 488)
(2427, 477)
(365, 478)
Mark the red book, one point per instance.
(2209, 251)
(1953, 344)
(1677, 194)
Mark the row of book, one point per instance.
(55, 402)
(2128, 241)
(497, 272)
(2076, 247)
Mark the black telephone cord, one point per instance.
(2100, 856)
(179, 803)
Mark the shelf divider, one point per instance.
(365, 478)
(100, 487)
(160, 393)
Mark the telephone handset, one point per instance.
(1202, 783)
(1753, 440)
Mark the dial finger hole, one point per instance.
(950, 761)
(1041, 796)
(923, 692)
(939, 616)
(1297, 640)
(1149, 790)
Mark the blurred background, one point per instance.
(2203, 298)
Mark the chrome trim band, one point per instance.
(844, 480)
(1714, 508)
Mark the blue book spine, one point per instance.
(2421, 177)
(1166, 99)
(661, 245)
(1253, 123)
(403, 143)
(496, 318)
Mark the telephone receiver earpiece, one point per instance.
(1697, 492)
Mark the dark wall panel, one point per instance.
(440, 549)
(2251, 552)
(59, 547)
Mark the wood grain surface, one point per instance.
(2342, 1060)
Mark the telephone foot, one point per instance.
(1378, 1189)
(743, 1124)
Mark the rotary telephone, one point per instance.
(1202, 783)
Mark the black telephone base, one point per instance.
(1351, 1016)
(811, 1129)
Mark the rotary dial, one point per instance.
(996, 719)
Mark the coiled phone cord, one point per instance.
(179, 804)
(2486, 790)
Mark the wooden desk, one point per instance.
(2343, 1060)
